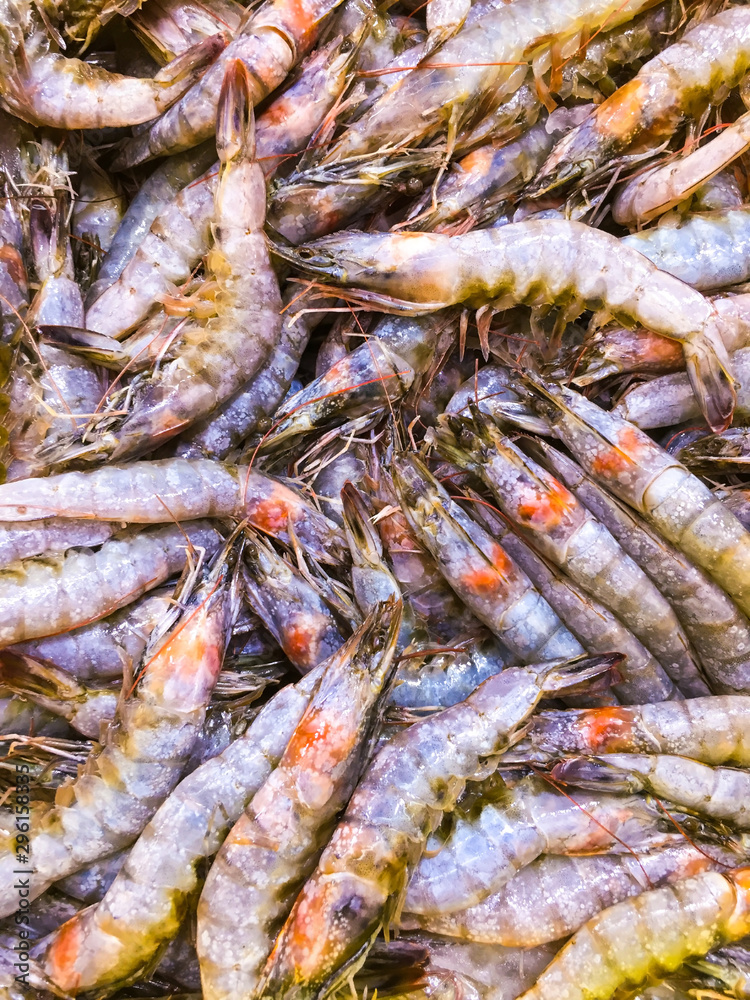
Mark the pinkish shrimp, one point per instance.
(543, 261)
(145, 749)
(178, 489)
(96, 951)
(362, 874)
(488, 845)
(554, 896)
(275, 844)
(679, 83)
(169, 28)
(59, 592)
(98, 209)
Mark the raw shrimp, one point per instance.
(511, 827)
(710, 250)
(718, 630)
(144, 750)
(170, 27)
(176, 489)
(272, 39)
(650, 935)
(108, 945)
(109, 648)
(642, 679)
(721, 793)
(553, 897)
(679, 83)
(362, 874)
(447, 678)
(487, 59)
(34, 538)
(60, 592)
(711, 730)
(274, 846)
(655, 192)
(669, 400)
(98, 209)
(479, 570)
(681, 507)
(292, 609)
(362, 384)
(86, 709)
(717, 453)
(541, 261)
(566, 533)
(44, 87)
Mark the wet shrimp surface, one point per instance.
(375, 500)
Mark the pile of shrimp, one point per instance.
(374, 499)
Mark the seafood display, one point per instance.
(374, 500)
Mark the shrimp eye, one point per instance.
(305, 254)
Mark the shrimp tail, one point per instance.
(26, 676)
(712, 384)
(190, 66)
(96, 347)
(596, 776)
(582, 675)
(359, 525)
(235, 125)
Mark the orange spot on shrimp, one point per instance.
(271, 514)
(621, 115)
(610, 462)
(13, 262)
(319, 741)
(186, 667)
(545, 508)
(63, 953)
(607, 729)
(301, 639)
(483, 579)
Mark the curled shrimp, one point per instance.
(554, 896)
(675, 502)
(541, 261)
(44, 87)
(721, 793)
(650, 935)
(178, 489)
(59, 592)
(94, 950)
(515, 826)
(660, 189)
(274, 846)
(362, 874)
(710, 730)
(678, 83)
(111, 801)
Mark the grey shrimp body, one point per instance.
(483, 852)
(114, 940)
(55, 534)
(59, 592)
(535, 262)
(363, 872)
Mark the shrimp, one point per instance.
(486, 59)
(718, 630)
(169, 27)
(707, 251)
(86, 709)
(292, 609)
(710, 730)
(716, 453)
(668, 399)
(268, 45)
(362, 384)
(647, 478)
(59, 592)
(650, 935)
(176, 489)
(362, 874)
(553, 897)
(274, 846)
(479, 570)
(655, 192)
(145, 749)
(540, 261)
(34, 538)
(44, 87)
(105, 649)
(679, 83)
(721, 793)
(98, 209)
(596, 628)
(566, 533)
(108, 945)
(445, 679)
(512, 828)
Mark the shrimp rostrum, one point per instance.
(538, 262)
